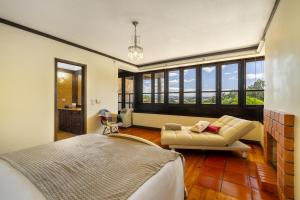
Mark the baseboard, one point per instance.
(146, 127)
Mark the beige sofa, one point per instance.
(227, 140)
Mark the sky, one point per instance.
(254, 71)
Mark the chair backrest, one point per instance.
(233, 128)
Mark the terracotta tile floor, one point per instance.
(216, 175)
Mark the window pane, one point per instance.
(131, 98)
(119, 106)
(255, 98)
(209, 78)
(229, 98)
(126, 98)
(159, 98)
(129, 84)
(255, 75)
(159, 82)
(119, 85)
(189, 98)
(189, 80)
(174, 81)
(208, 98)
(146, 98)
(120, 97)
(147, 83)
(173, 98)
(230, 77)
(126, 105)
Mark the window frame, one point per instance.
(245, 82)
(130, 103)
(251, 112)
(164, 90)
(216, 84)
(191, 92)
(238, 91)
(179, 69)
(151, 93)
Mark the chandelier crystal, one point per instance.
(135, 52)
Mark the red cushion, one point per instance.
(213, 129)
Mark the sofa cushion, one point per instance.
(187, 137)
(233, 128)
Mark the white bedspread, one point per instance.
(167, 184)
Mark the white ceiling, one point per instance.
(168, 28)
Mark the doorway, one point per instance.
(70, 99)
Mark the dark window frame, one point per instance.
(151, 93)
(253, 112)
(216, 83)
(123, 93)
(179, 69)
(238, 62)
(245, 83)
(164, 91)
(190, 92)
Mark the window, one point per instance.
(230, 84)
(209, 85)
(119, 93)
(189, 86)
(147, 85)
(174, 87)
(255, 82)
(129, 92)
(159, 84)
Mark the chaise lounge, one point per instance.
(232, 129)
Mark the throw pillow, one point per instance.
(213, 129)
(172, 127)
(200, 126)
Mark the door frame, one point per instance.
(83, 92)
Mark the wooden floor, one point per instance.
(60, 135)
(214, 175)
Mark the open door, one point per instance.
(70, 99)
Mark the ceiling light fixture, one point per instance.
(135, 52)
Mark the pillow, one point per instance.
(172, 127)
(213, 129)
(200, 126)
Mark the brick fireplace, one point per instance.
(279, 131)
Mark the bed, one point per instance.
(166, 183)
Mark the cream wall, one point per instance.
(27, 87)
(282, 69)
(158, 120)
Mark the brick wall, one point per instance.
(280, 126)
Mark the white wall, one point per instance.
(27, 87)
(158, 120)
(282, 69)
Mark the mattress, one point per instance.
(168, 183)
